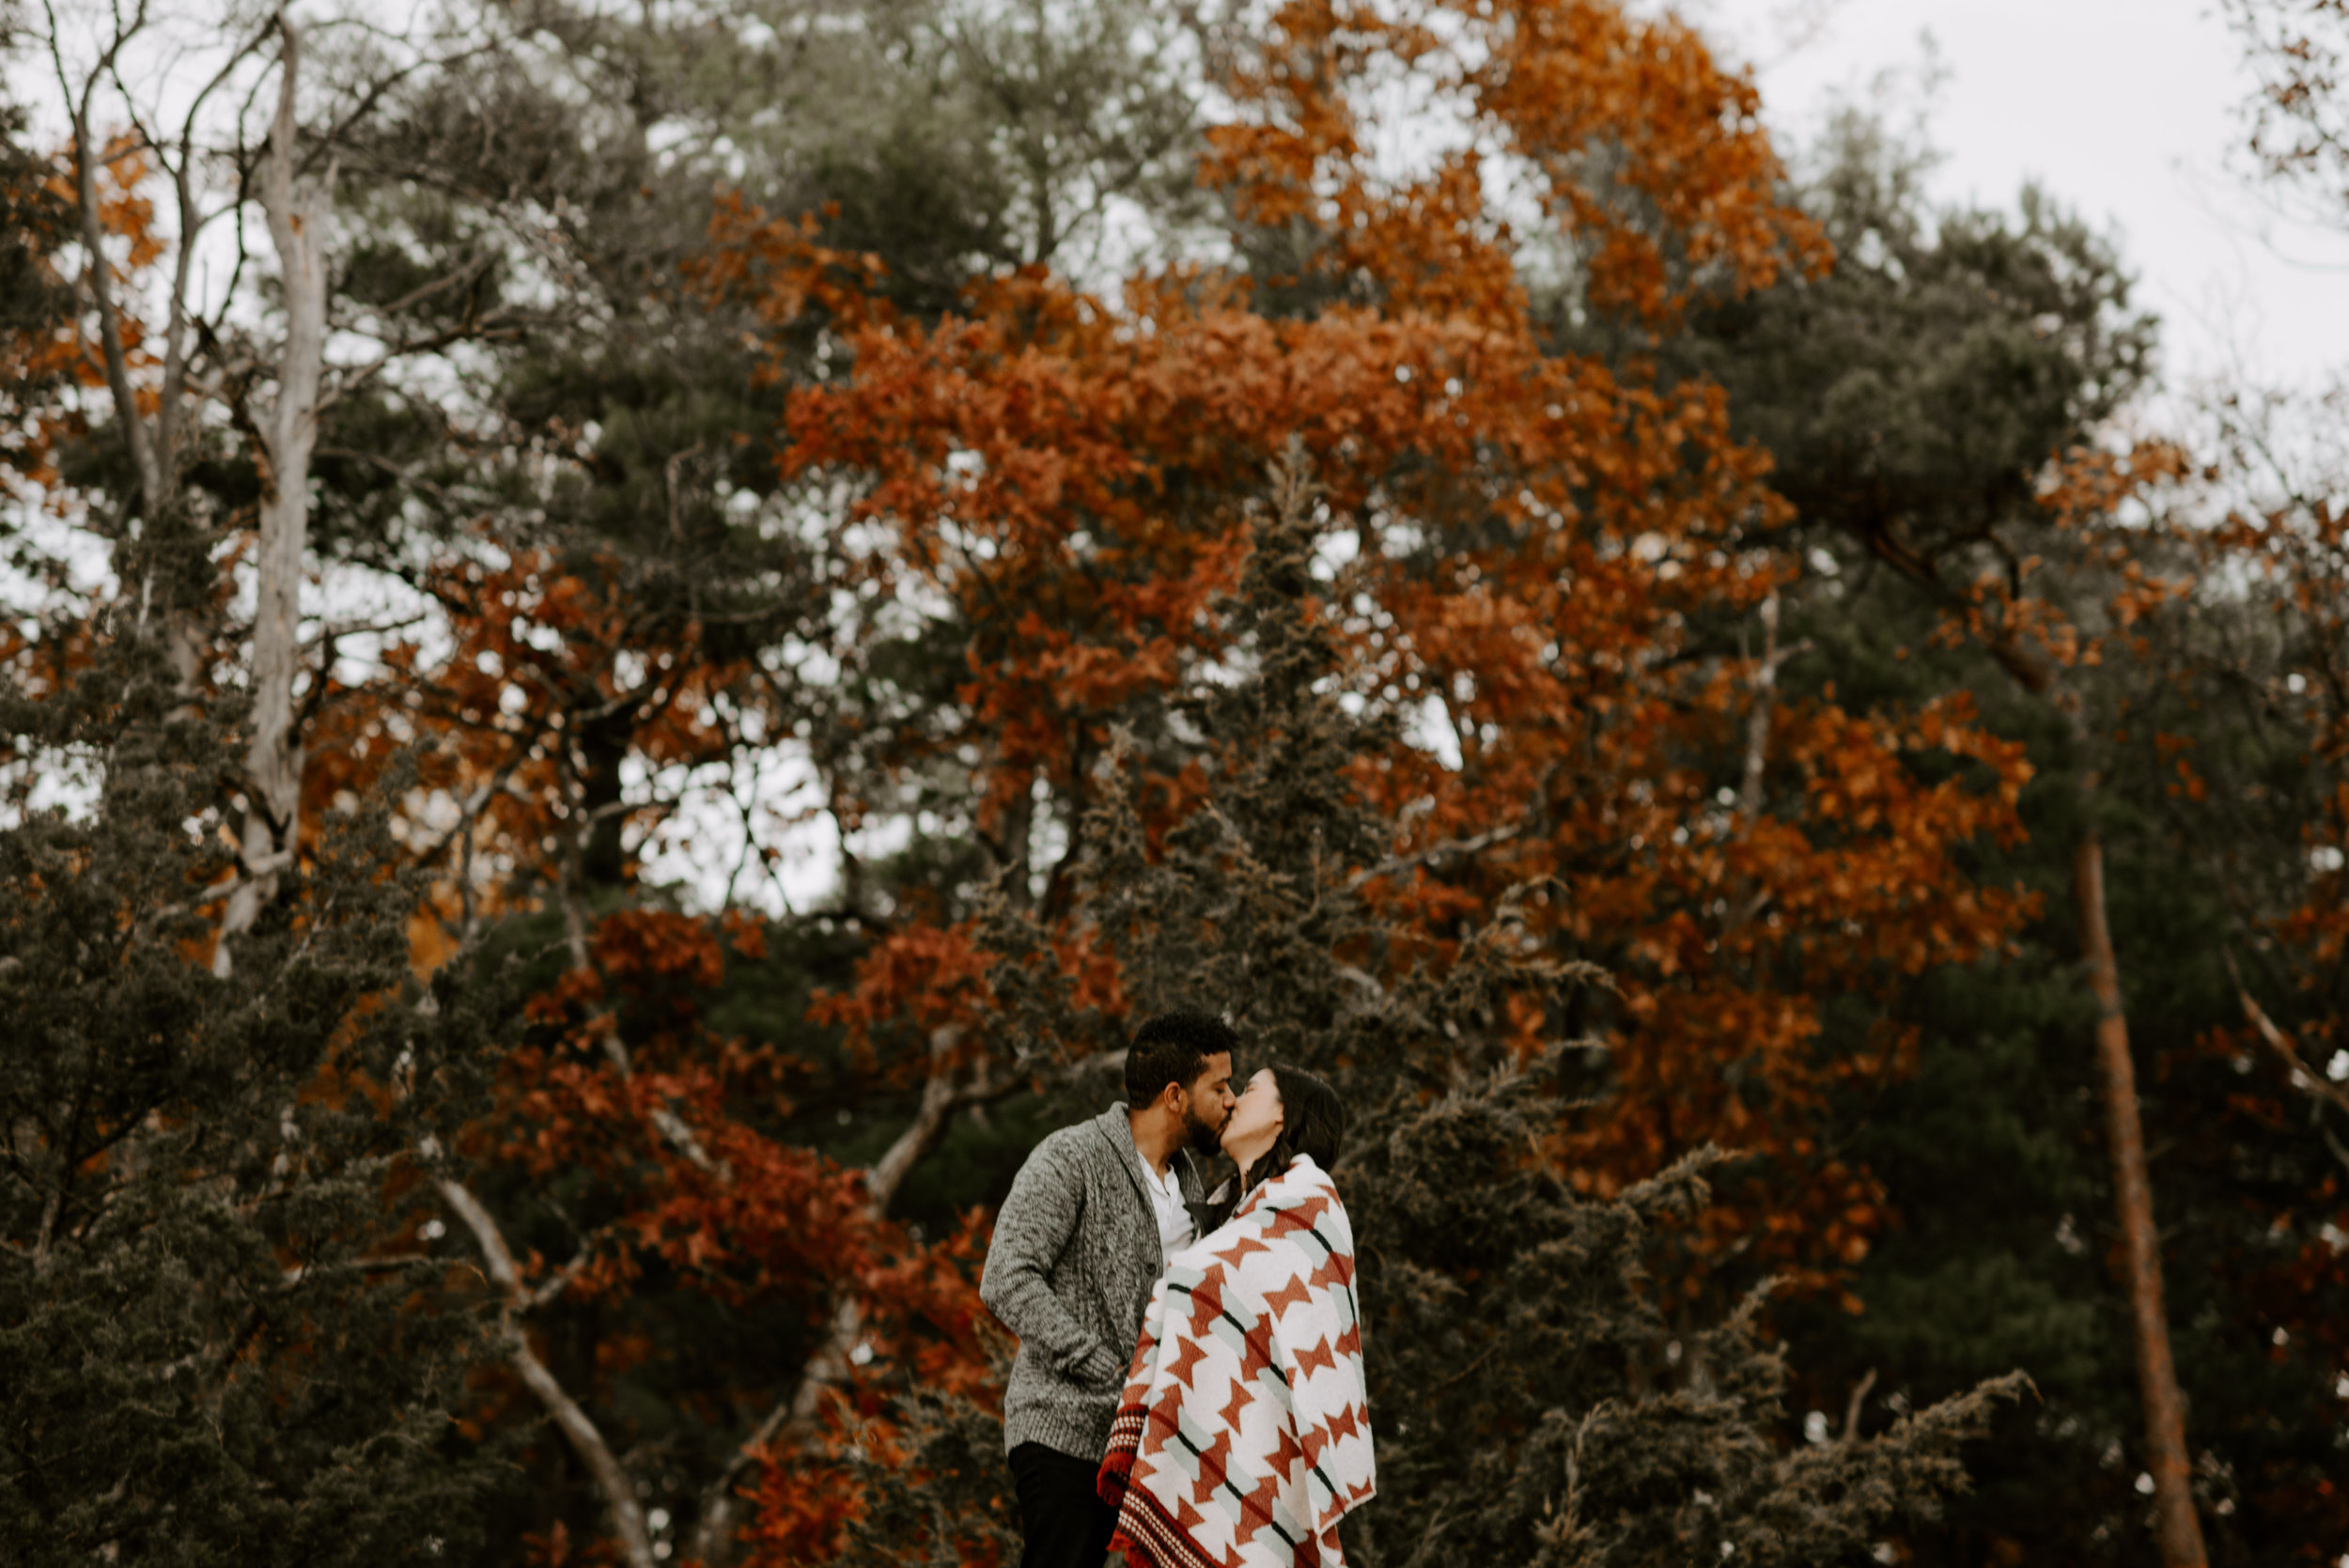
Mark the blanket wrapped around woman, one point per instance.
(1244, 1432)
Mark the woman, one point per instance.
(1244, 1431)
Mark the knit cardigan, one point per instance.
(1243, 1434)
(1069, 1270)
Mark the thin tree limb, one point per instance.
(793, 1419)
(1853, 1406)
(1468, 846)
(153, 484)
(578, 1429)
(2302, 1077)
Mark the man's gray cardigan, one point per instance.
(1070, 1270)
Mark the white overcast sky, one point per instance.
(2131, 112)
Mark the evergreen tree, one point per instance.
(1908, 396)
(224, 1338)
(1913, 399)
(1508, 1322)
(638, 604)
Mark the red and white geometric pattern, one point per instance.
(1244, 1432)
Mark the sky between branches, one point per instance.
(2128, 110)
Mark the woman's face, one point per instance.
(1256, 1120)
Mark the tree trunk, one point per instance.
(2177, 1530)
(153, 457)
(297, 212)
(604, 743)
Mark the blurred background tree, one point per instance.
(747, 426)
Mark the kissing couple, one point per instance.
(1189, 1388)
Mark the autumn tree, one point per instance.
(624, 621)
(1548, 559)
(227, 1095)
(2248, 719)
(2299, 131)
(853, 421)
(1552, 562)
(38, 304)
(2239, 732)
(1509, 1321)
(221, 1333)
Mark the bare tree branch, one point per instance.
(1468, 846)
(1853, 1406)
(611, 1477)
(153, 482)
(793, 1419)
(2302, 1077)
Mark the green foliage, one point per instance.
(1912, 400)
(221, 1340)
(1913, 397)
(218, 1340)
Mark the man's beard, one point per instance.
(1205, 1136)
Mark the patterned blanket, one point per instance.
(1244, 1431)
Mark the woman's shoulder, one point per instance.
(1306, 1176)
(1300, 1195)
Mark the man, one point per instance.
(1092, 1218)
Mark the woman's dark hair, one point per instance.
(1313, 1122)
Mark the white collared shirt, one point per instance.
(1177, 1229)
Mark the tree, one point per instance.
(221, 1321)
(2008, 550)
(1548, 561)
(2248, 730)
(220, 1336)
(2298, 137)
(1552, 564)
(37, 309)
(723, 1230)
(1508, 1321)
(623, 589)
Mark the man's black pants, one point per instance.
(1067, 1523)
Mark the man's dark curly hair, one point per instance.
(1172, 1048)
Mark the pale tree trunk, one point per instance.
(611, 1476)
(1758, 719)
(153, 457)
(298, 216)
(2177, 1530)
(716, 1540)
(1746, 899)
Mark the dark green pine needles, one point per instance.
(219, 1343)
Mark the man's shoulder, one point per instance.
(1077, 1143)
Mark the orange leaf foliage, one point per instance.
(1532, 538)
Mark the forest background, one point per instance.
(1686, 678)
